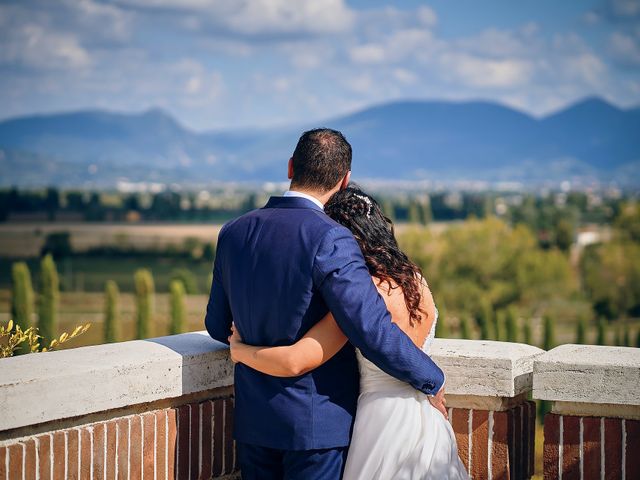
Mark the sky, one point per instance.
(225, 64)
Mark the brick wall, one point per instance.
(591, 447)
(496, 444)
(191, 441)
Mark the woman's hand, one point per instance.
(235, 341)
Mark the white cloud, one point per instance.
(625, 48)
(479, 72)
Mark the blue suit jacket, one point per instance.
(278, 270)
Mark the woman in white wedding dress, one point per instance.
(398, 433)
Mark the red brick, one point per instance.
(16, 454)
(218, 437)
(460, 424)
(161, 438)
(59, 448)
(194, 442)
(111, 450)
(517, 442)
(633, 448)
(571, 448)
(531, 452)
(73, 471)
(148, 445)
(229, 453)
(613, 448)
(172, 443)
(183, 454)
(122, 433)
(500, 451)
(29, 460)
(207, 441)
(85, 452)
(591, 447)
(551, 442)
(3, 462)
(135, 448)
(479, 443)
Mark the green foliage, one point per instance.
(11, 339)
(484, 320)
(22, 298)
(526, 332)
(602, 332)
(549, 340)
(611, 275)
(209, 252)
(499, 326)
(178, 309)
(511, 325)
(144, 302)
(49, 298)
(187, 278)
(57, 244)
(581, 331)
(626, 339)
(627, 222)
(638, 339)
(442, 327)
(111, 312)
(466, 330)
(617, 339)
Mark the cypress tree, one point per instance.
(581, 331)
(111, 312)
(49, 298)
(602, 331)
(498, 324)
(617, 339)
(627, 335)
(442, 328)
(549, 333)
(178, 310)
(144, 302)
(526, 331)
(511, 325)
(22, 298)
(465, 327)
(483, 319)
(638, 339)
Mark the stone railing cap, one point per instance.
(40, 387)
(484, 367)
(589, 374)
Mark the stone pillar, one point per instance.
(593, 430)
(487, 384)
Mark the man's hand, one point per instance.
(439, 402)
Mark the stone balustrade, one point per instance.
(163, 408)
(487, 384)
(593, 430)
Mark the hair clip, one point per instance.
(367, 201)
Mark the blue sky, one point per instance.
(243, 63)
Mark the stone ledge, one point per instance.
(41, 387)
(588, 374)
(484, 368)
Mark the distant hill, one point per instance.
(401, 140)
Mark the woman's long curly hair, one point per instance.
(374, 233)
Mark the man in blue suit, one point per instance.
(278, 270)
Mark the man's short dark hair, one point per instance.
(321, 158)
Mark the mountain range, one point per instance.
(404, 140)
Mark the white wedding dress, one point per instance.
(397, 433)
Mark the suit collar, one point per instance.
(291, 202)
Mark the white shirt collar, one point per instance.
(294, 193)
